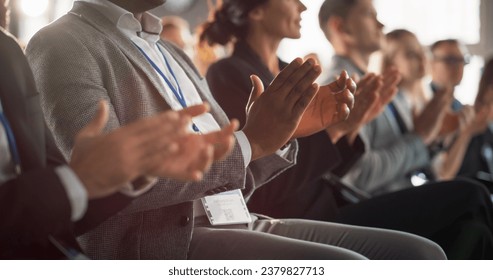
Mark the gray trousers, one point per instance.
(304, 239)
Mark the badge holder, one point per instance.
(227, 208)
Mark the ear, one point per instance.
(256, 14)
(338, 28)
(337, 25)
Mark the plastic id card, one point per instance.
(227, 208)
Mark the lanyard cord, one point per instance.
(12, 145)
(176, 90)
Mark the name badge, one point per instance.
(227, 208)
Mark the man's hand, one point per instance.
(331, 105)
(391, 79)
(429, 123)
(274, 115)
(366, 99)
(195, 154)
(479, 121)
(105, 162)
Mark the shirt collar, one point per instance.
(125, 21)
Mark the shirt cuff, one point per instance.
(246, 149)
(75, 190)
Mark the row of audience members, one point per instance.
(143, 163)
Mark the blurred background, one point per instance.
(467, 20)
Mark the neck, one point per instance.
(266, 48)
(358, 57)
(411, 86)
(361, 60)
(131, 7)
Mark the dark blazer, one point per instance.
(300, 191)
(33, 205)
(476, 159)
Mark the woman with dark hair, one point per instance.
(257, 28)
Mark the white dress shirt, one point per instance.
(149, 32)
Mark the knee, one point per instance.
(469, 190)
(425, 249)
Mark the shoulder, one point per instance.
(10, 50)
(230, 68)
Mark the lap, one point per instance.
(304, 239)
(435, 206)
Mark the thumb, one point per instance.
(257, 89)
(340, 83)
(99, 121)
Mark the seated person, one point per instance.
(301, 192)
(127, 64)
(41, 196)
(478, 162)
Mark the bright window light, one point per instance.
(432, 20)
(34, 8)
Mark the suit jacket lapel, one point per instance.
(93, 17)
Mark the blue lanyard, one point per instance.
(176, 90)
(12, 145)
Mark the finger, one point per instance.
(285, 74)
(305, 100)
(222, 150)
(351, 85)
(257, 89)
(195, 110)
(155, 133)
(345, 97)
(303, 85)
(97, 124)
(223, 140)
(356, 78)
(203, 163)
(300, 79)
(363, 82)
(342, 113)
(339, 84)
(161, 125)
(392, 79)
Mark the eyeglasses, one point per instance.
(453, 60)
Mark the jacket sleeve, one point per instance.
(71, 76)
(349, 154)
(381, 166)
(33, 206)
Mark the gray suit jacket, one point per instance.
(389, 155)
(82, 58)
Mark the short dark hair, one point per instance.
(331, 8)
(437, 44)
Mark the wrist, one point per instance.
(336, 132)
(254, 146)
